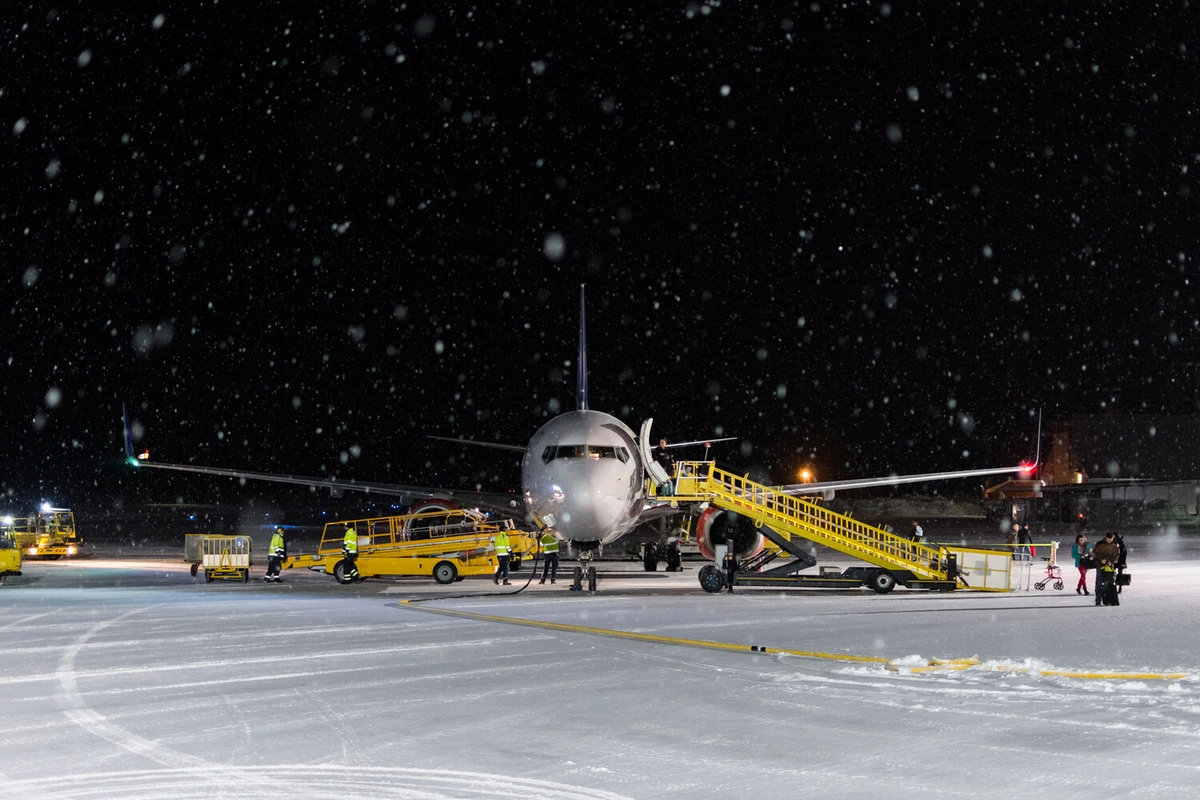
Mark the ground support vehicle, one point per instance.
(447, 545)
(10, 557)
(225, 558)
(784, 518)
(50, 533)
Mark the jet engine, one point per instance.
(716, 526)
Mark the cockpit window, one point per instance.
(594, 451)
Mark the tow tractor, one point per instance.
(50, 533)
(10, 556)
(447, 544)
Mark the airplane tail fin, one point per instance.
(129, 456)
(581, 385)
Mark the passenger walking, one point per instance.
(350, 555)
(1106, 554)
(503, 552)
(1025, 540)
(1083, 562)
(1011, 537)
(916, 534)
(550, 552)
(276, 553)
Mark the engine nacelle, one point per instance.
(716, 526)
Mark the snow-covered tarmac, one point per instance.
(128, 679)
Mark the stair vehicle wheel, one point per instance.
(444, 572)
(207, 577)
(591, 579)
(245, 576)
(711, 579)
(514, 563)
(882, 581)
(339, 573)
(195, 569)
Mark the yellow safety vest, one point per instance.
(501, 544)
(549, 544)
(277, 545)
(350, 542)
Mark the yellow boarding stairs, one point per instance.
(444, 544)
(783, 517)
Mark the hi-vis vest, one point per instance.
(350, 542)
(549, 544)
(501, 542)
(277, 545)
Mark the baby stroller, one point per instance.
(1053, 575)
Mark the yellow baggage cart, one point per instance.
(446, 545)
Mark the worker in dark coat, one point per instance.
(1106, 554)
(665, 460)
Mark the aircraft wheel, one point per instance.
(711, 579)
(882, 581)
(444, 572)
(577, 576)
(195, 569)
(649, 562)
(591, 579)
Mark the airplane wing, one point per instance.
(510, 505)
(828, 488)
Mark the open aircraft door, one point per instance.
(653, 468)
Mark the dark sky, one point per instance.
(866, 236)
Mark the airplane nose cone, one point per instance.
(584, 516)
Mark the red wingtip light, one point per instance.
(1028, 468)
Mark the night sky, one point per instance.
(869, 237)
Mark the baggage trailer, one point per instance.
(447, 545)
(224, 558)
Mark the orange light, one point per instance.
(144, 456)
(806, 475)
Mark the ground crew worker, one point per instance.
(350, 553)
(550, 551)
(503, 551)
(665, 460)
(276, 553)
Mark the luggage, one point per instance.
(1122, 579)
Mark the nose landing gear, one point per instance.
(585, 570)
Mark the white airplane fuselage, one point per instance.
(583, 477)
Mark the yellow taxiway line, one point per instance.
(932, 665)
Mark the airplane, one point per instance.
(583, 477)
